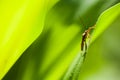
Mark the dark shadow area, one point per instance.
(65, 11)
(90, 17)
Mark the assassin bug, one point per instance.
(85, 35)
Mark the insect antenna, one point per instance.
(82, 22)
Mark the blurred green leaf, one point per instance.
(21, 23)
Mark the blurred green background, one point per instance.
(50, 55)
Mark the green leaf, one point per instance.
(51, 54)
(105, 19)
(21, 23)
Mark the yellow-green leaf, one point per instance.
(21, 22)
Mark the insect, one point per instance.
(85, 35)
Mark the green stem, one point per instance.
(74, 70)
